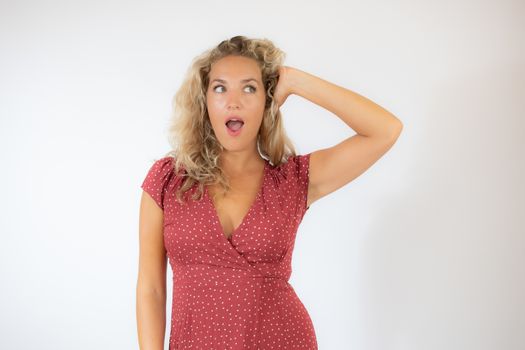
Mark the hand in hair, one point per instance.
(284, 85)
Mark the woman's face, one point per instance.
(236, 90)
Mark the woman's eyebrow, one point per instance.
(242, 81)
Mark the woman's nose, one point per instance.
(234, 99)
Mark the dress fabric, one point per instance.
(233, 293)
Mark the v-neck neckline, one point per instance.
(246, 216)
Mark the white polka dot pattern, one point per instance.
(234, 293)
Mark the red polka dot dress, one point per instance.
(233, 293)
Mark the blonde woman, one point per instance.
(224, 205)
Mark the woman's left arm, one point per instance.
(377, 131)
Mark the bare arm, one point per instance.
(377, 130)
(151, 283)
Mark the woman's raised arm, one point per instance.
(377, 130)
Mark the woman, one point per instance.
(224, 206)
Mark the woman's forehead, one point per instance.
(236, 68)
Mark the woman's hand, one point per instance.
(284, 85)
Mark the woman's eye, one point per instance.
(248, 86)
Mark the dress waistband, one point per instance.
(202, 273)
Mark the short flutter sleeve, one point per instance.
(299, 172)
(157, 179)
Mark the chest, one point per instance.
(255, 221)
(232, 208)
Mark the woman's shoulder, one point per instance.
(294, 169)
(162, 168)
(161, 177)
(164, 162)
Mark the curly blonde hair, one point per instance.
(195, 147)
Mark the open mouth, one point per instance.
(234, 125)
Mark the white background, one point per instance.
(425, 250)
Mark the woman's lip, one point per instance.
(233, 117)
